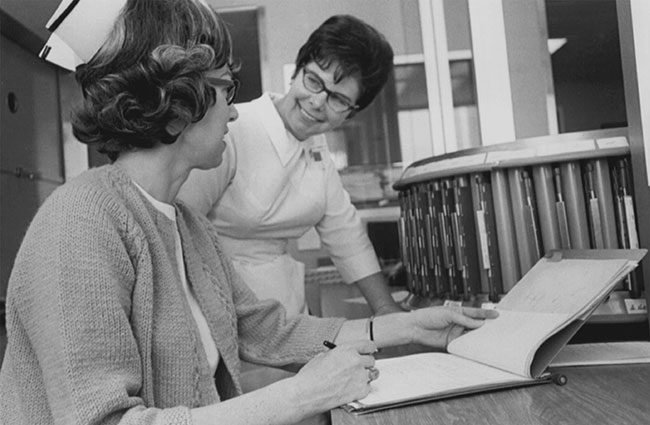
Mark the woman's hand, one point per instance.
(438, 326)
(336, 377)
(388, 309)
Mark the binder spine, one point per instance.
(486, 237)
(574, 198)
(449, 246)
(561, 209)
(600, 204)
(404, 237)
(505, 228)
(522, 196)
(420, 269)
(465, 239)
(440, 281)
(626, 225)
(547, 212)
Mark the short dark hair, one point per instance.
(360, 51)
(149, 72)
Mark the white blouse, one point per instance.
(271, 188)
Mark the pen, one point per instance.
(329, 344)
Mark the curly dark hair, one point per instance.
(149, 72)
(358, 49)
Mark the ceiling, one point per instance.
(589, 26)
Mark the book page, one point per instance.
(568, 286)
(549, 297)
(603, 353)
(427, 374)
(508, 342)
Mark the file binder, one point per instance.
(414, 252)
(404, 229)
(487, 243)
(628, 237)
(440, 277)
(600, 204)
(420, 236)
(574, 198)
(524, 208)
(506, 235)
(515, 349)
(561, 210)
(449, 248)
(545, 196)
(464, 231)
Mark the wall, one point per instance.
(286, 24)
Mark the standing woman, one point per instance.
(122, 307)
(278, 180)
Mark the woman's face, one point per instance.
(305, 113)
(203, 141)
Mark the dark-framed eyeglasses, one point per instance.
(336, 101)
(231, 86)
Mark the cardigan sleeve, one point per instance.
(71, 286)
(265, 334)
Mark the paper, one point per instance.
(552, 294)
(564, 286)
(603, 354)
(427, 374)
(517, 336)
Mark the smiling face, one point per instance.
(305, 113)
(202, 141)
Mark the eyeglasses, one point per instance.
(336, 101)
(232, 87)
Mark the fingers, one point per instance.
(364, 347)
(479, 313)
(454, 332)
(470, 317)
(474, 312)
(364, 351)
(373, 373)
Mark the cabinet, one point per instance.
(473, 222)
(31, 157)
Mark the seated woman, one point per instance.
(122, 307)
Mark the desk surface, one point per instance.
(594, 395)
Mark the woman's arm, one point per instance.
(376, 291)
(329, 380)
(342, 375)
(433, 327)
(344, 237)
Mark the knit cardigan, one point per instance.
(99, 329)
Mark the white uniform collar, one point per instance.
(285, 144)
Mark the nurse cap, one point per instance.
(79, 28)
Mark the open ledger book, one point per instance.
(537, 317)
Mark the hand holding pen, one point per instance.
(337, 376)
(373, 373)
